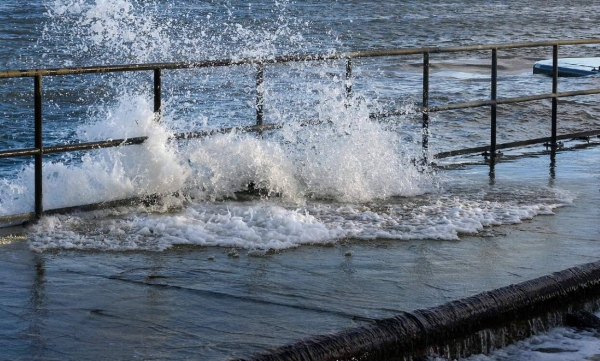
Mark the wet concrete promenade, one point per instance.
(209, 304)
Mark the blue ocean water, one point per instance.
(348, 179)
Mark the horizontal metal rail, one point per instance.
(516, 144)
(259, 67)
(467, 48)
(72, 147)
(138, 140)
(483, 103)
(163, 66)
(264, 128)
(208, 133)
(284, 59)
(267, 127)
(18, 218)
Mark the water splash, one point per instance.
(134, 31)
(323, 182)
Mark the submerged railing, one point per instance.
(259, 64)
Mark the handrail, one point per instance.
(259, 64)
(283, 59)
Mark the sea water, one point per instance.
(348, 178)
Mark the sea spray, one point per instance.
(346, 158)
(105, 174)
(351, 158)
(134, 31)
(225, 164)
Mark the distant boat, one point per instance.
(569, 67)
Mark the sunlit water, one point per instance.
(348, 178)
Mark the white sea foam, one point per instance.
(275, 226)
(560, 344)
(262, 227)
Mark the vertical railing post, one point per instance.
(552, 166)
(425, 141)
(554, 91)
(493, 110)
(157, 93)
(260, 78)
(39, 145)
(348, 80)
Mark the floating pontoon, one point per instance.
(569, 67)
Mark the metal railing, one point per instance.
(259, 65)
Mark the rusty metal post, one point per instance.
(493, 110)
(157, 93)
(348, 78)
(39, 145)
(425, 141)
(260, 77)
(554, 91)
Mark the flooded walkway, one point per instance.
(213, 303)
